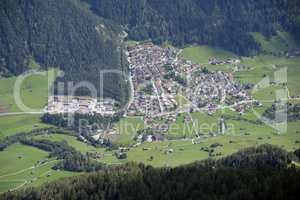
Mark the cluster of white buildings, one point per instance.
(216, 61)
(81, 105)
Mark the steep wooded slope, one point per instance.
(224, 23)
(61, 33)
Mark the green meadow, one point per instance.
(10, 125)
(33, 90)
(107, 156)
(34, 94)
(181, 100)
(259, 66)
(181, 128)
(131, 43)
(21, 167)
(127, 129)
(267, 65)
(71, 140)
(282, 41)
(202, 53)
(185, 152)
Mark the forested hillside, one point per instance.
(253, 178)
(224, 23)
(61, 33)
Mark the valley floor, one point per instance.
(191, 136)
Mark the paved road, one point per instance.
(21, 113)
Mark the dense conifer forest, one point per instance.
(64, 34)
(224, 23)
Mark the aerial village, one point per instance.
(161, 79)
(160, 75)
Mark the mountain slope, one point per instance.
(59, 33)
(224, 23)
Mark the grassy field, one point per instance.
(107, 158)
(181, 100)
(34, 94)
(71, 140)
(201, 55)
(10, 125)
(33, 91)
(182, 127)
(260, 65)
(267, 65)
(127, 129)
(132, 43)
(18, 162)
(244, 134)
(185, 152)
(277, 43)
(19, 168)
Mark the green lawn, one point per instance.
(160, 158)
(19, 165)
(132, 43)
(264, 64)
(71, 140)
(259, 65)
(34, 94)
(181, 127)
(10, 125)
(17, 157)
(283, 41)
(185, 152)
(34, 91)
(181, 100)
(201, 54)
(205, 123)
(80, 146)
(127, 128)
